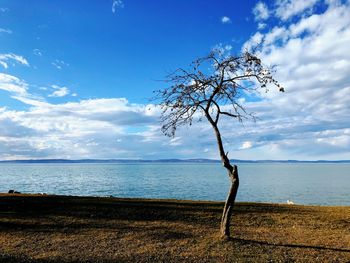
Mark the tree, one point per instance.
(211, 88)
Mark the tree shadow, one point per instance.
(38, 208)
(265, 243)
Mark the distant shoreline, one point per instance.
(126, 161)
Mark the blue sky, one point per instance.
(76, 76)
(129, 49)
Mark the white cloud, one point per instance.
(6, 31)
(59, 91)
(337, 141)
(313, 65)
(256, 39)
(117, 4)
(225, 20)
(59, 64)
(261, 25)
(222, 48)
(18, 90)
(37, 52)
(260, 11)
(4, 9)
(99, 128)
(13, 85)
(246, 145)
(308, 121)
(6, 58)
(285, 9)
(31, 100)
(176, 141)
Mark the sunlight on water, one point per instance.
(320, 184)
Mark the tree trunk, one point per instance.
(233, 175)
(228, 208)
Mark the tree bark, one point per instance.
(228, 208)
(233, 175)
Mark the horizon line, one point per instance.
(164, 159)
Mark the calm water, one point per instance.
(320, 184)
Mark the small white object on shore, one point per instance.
(289, 202)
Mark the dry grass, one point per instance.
(81, 229)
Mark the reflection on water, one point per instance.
(322, 184)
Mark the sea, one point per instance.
(300, 183)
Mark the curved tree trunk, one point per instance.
(233, 175)
(228, 208)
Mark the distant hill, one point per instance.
(164, 161)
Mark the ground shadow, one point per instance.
(265, 243)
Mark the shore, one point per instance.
(35, 228)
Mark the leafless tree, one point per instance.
(211, 88)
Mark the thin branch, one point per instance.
(195, 90)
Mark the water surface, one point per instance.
(316, 184)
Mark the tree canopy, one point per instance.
(212, 86)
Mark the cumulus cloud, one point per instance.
(5, 59)
(59, 91)
(225, 20)
(246, 145)
(260, 11)
(95, 128)
(308, 121)
(314, 66)
(117, 4)
(261, 25)
(285, 9)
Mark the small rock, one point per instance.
(13, 192)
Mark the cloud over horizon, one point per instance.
(314, 66)
(309, 121)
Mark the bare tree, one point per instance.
(211, 87)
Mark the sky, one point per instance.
(76, 77)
